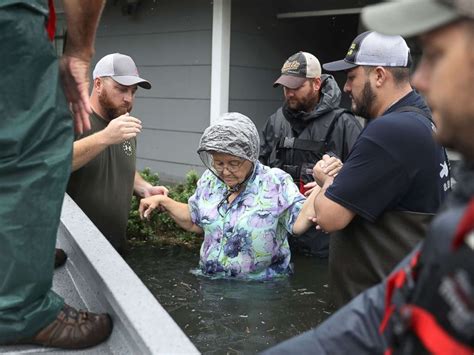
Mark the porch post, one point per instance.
(220, 58)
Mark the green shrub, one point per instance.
(160, 223)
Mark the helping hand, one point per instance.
(326, 167)
(155, 190)
(314, 220)
(332, 165)
(74, 74)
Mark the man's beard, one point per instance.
(362, 107)
(306, 104)
(111, 110)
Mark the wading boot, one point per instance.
(72, 329)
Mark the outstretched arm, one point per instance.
(82, 18)
(305, 218)
(177, 210)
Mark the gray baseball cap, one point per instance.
(121, 68)
(413, 17)
(374, 49)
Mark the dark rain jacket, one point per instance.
(295, 141)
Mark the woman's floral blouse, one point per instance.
(247, 238)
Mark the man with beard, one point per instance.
(104, 175)
(395, 178)
(309, 124)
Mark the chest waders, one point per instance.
(35, 160)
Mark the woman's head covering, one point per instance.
(233, 134)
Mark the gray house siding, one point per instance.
(170, 42)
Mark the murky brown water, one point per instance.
(228, 316)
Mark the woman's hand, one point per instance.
(149, 204)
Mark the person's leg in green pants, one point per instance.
(35, 159)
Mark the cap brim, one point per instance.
(128, 80)
(407, 17)
(289, 81)
(339, 65)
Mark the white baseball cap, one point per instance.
(374, 49)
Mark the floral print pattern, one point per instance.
(248, 238)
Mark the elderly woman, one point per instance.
(245, 209)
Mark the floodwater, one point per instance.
(230, 316)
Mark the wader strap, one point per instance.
(428, 117)
(51, 22)
(416, 110)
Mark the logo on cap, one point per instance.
(351, 50)
(290, 66)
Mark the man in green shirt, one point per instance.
(104, 175)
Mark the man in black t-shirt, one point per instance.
(395, 177)
(431, 311)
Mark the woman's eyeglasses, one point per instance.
(233, 166)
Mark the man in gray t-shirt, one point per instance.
(104, 176)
